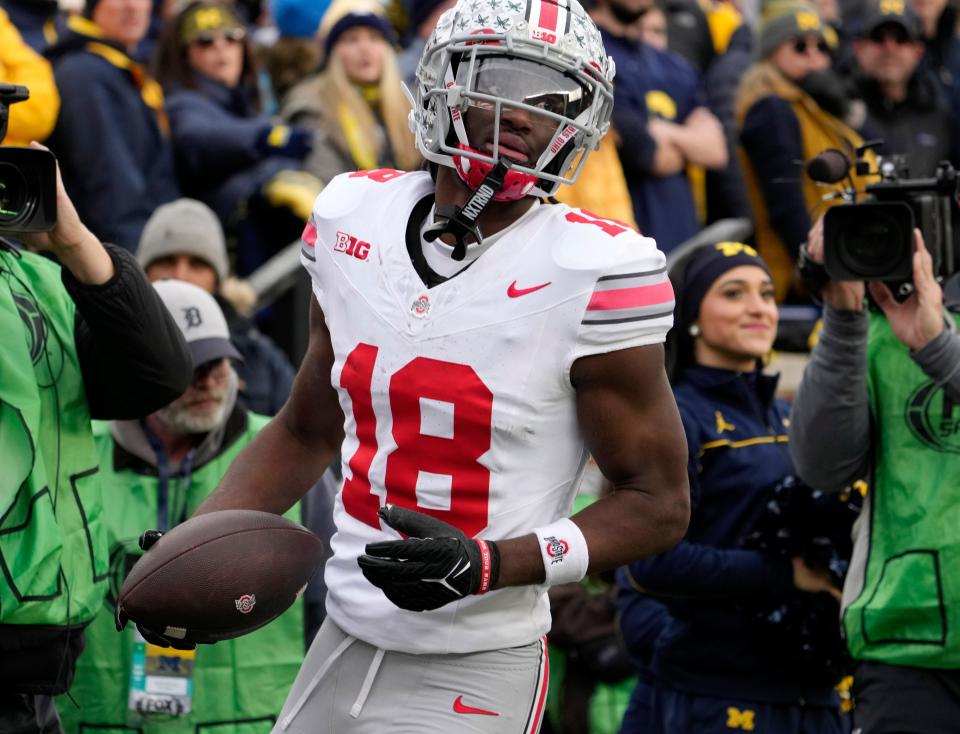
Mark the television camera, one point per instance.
(28, 177)
(872, 239)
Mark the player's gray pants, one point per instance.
(346, 685)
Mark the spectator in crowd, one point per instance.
(726, 193)
(653, 28)
(112, 135)
(356, 103)
(714, 657)
(905, 105)
(422, 16)
(229, 153)
(296, 53)
(90, 339)
(155, 472)
(661, 123)
(32, 119)
(877, 400)
(38, 21)
(938, 21)
(688, 31)
(789, 108)
(184, 240)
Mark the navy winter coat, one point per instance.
(116, 159)
(215, 132)
(737, 436)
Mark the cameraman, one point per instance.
(89, 340)
(877, 401)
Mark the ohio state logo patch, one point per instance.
(421, 307)
(557, 549)
(246, 603)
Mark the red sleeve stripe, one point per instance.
(309, 235)
(640, 296)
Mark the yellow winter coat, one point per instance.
(34, 118)
(601, 188)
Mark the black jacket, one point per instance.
(919, 127)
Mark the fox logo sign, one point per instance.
(350, 245)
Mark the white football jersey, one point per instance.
(457, 398)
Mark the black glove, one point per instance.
(146, 542)
(290, 142)
(436, 565)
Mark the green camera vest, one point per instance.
(53, 548)
(238, 685)
(908, 612)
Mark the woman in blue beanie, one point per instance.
(356, 102)
(714, 663)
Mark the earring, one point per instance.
(694, 331)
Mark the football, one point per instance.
(220, 575)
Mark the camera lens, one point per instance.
(874, 245)
(13, 193)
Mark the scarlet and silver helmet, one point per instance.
(544, 57)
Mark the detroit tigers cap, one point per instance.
(200, 321)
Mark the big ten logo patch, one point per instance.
(740, 719)
(542, 35)
(350, 245)
(934, 418)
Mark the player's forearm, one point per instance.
(632, 523)
(618, 529)
(272, 473)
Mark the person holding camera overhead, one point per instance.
(90, 339)
(879, 399)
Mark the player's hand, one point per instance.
(435, 565)
(147, 539)
(154, 638)
(919, 319)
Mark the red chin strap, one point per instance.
(472, 172)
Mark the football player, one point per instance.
(469, 345)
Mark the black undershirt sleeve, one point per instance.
(133, 357)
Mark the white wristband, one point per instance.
(564, 552)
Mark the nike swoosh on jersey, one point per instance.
(459, 707)
(515, 292)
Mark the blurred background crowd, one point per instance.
(196, 135)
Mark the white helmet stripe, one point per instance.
(456, 116)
